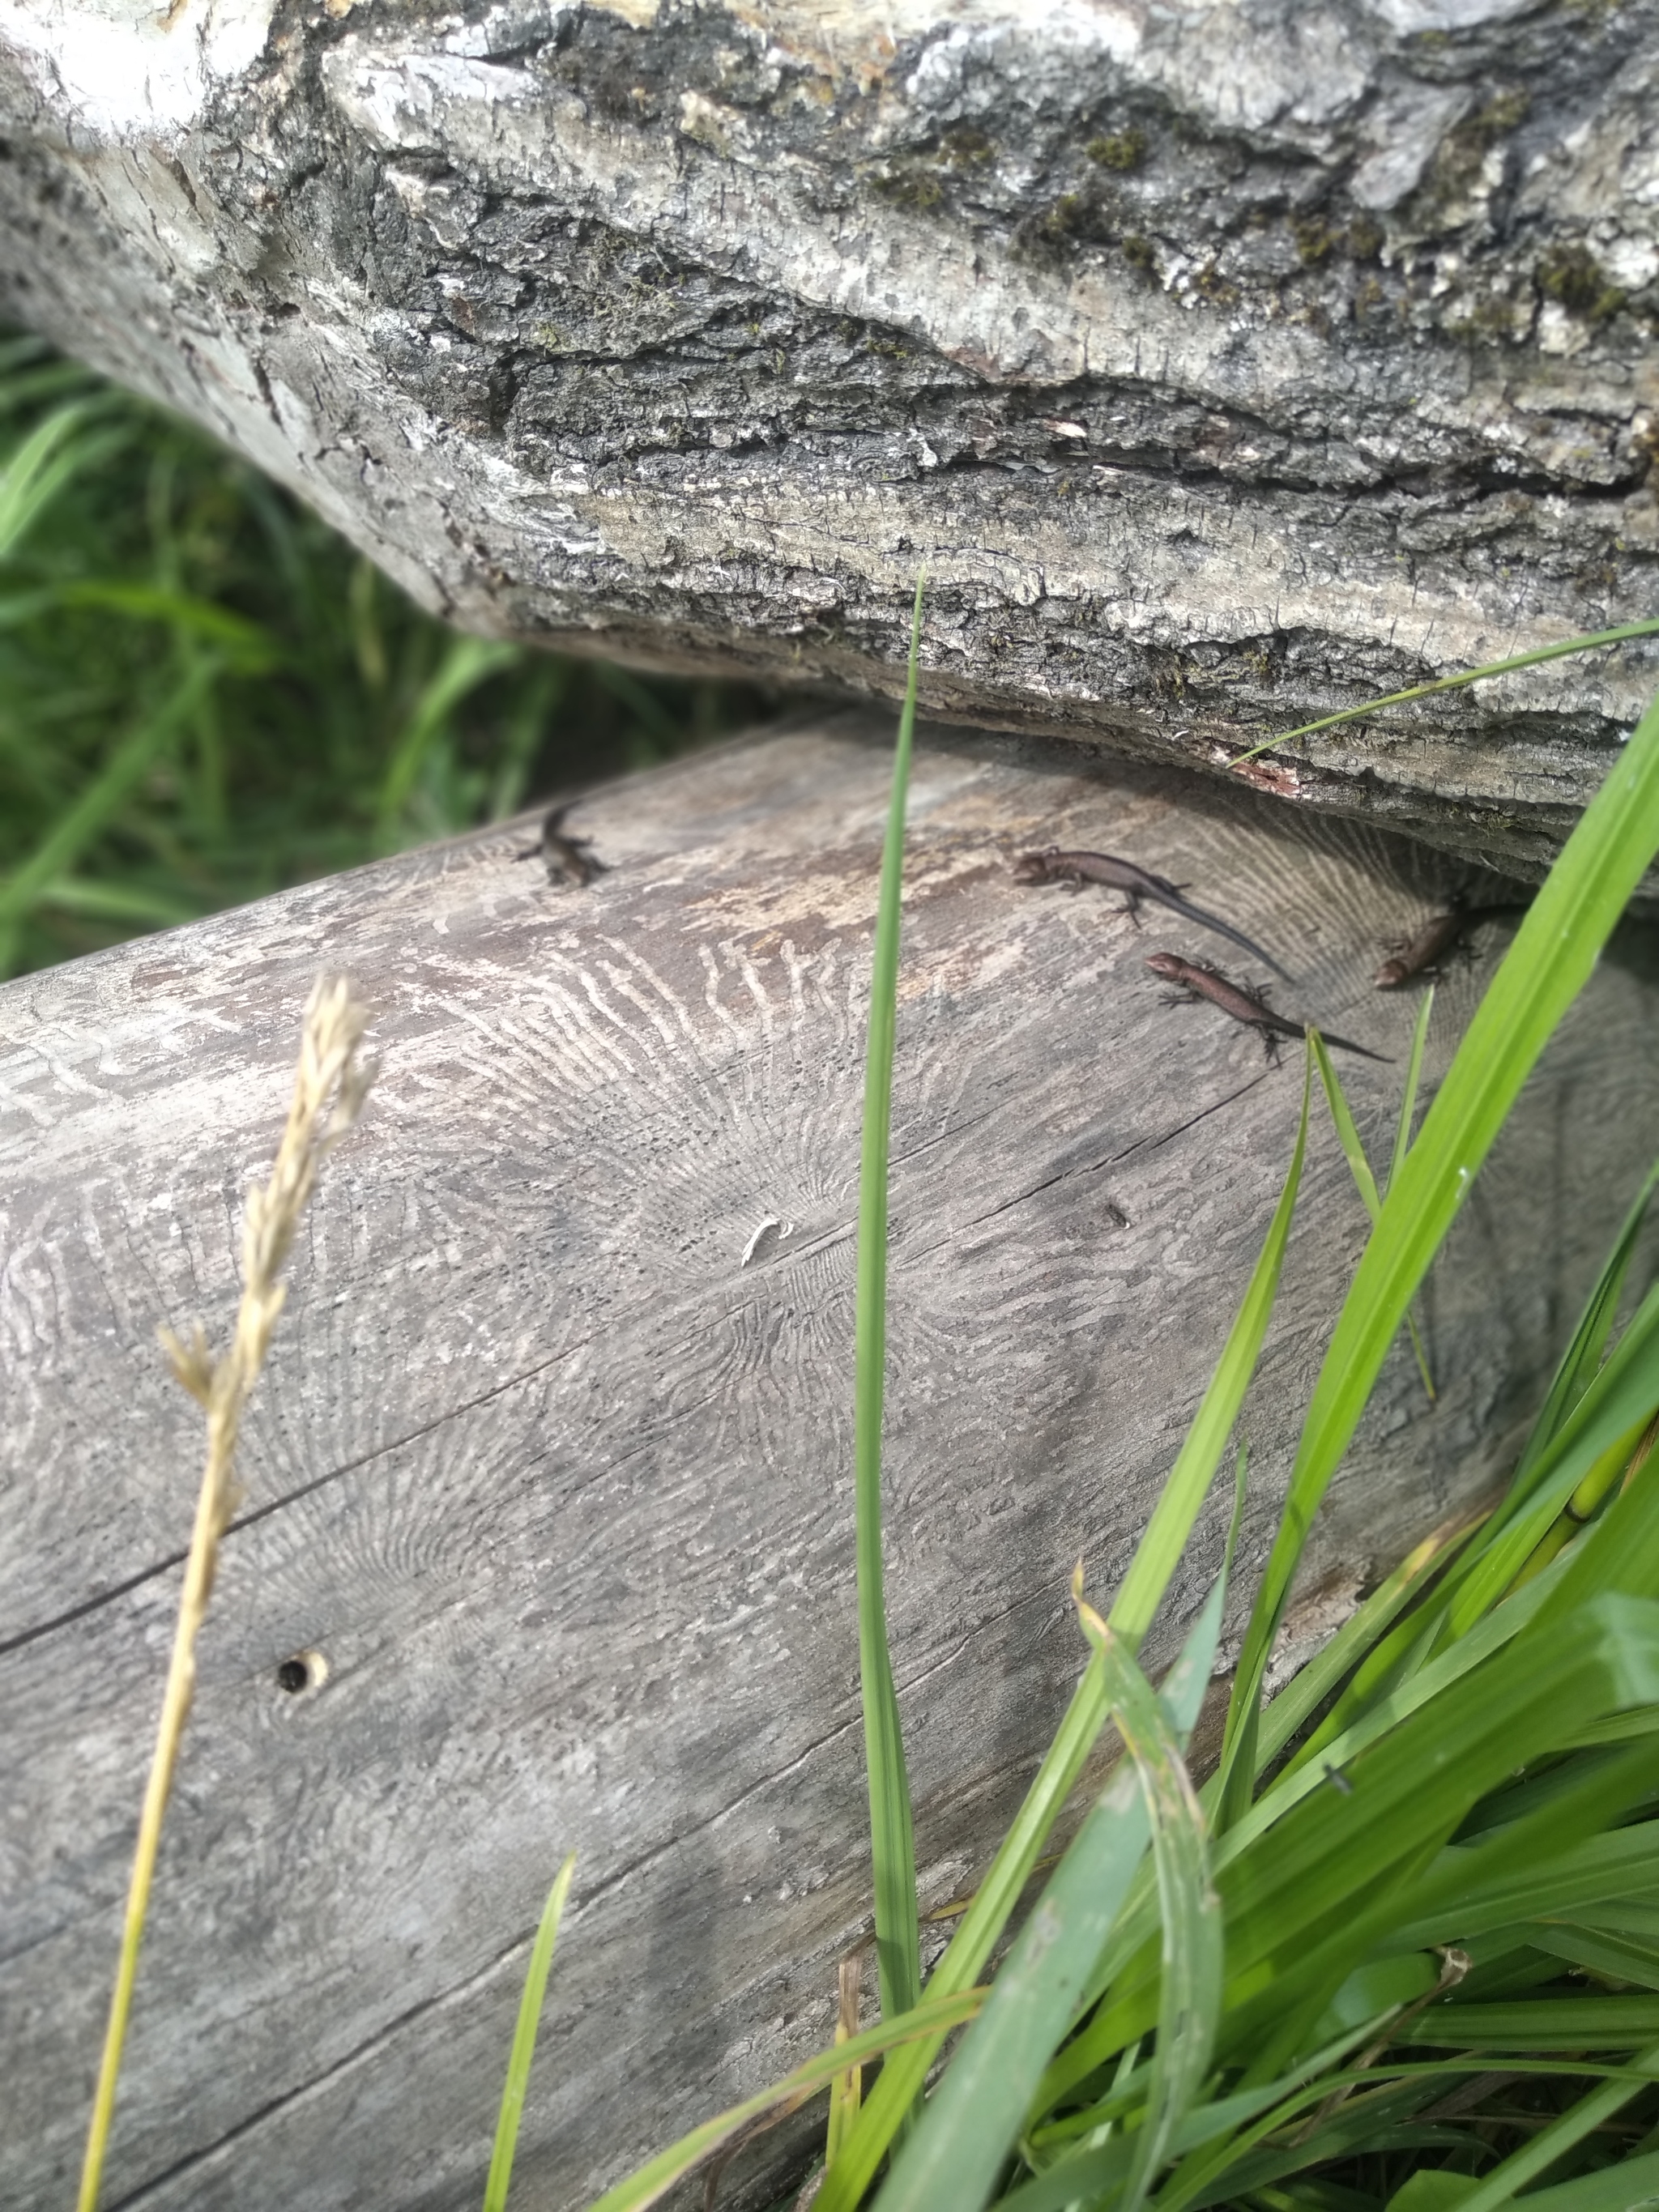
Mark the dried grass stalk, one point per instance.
(330, 1086)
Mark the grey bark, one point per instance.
(1224, 364)
(551, 1462)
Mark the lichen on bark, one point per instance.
(1224, 363)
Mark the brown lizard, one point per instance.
(1053, 865)
(1434, 941)
(569, 860)
(1243, 1006)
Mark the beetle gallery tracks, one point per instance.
(549, 1493)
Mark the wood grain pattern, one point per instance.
(552, 1461)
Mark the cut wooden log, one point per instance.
(1224, 364)
(547, 1537)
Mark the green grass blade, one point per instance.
(1549, 961)
(892, 1841)
(1623, 1395)
(933, 2018)
(1585, 644)
(1303, 1775)
(1302, 1696)
(42, 465)
(1137, 1602)
(1631, 2186)
(524, 2040)
(247, 645)
(1190, 1979)
(1188, 1482)
(45, 383)
(646, 708)
(1589, 1878)
(1618, 1552)
(1088, 2177)
(1583, 1356)
(1402, 1133)
(901, 2077)
(1360, 1168)
(1616, 1956)
(114, 901)
(1535, 2025)
(1344, 1874)
(1563, 2133)
(468, 662)
(1346, 1134)
(1330, 1885)
(951, 2162)
(100, 801)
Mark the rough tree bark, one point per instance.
(1224, 363)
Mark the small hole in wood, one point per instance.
(306, 1670)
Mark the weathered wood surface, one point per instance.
(560, 1487)
(1224, 363)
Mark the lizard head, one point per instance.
(1034, 867)
(1168, 964)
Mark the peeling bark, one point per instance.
(1226, 364)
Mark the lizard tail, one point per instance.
(1348, 1044)
(1235, 936)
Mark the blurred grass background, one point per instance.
(206, 695)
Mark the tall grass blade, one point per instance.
(1583, 1354)
(1499, 2186)
(1631, 2186)
(329, 1090)
(469, 662)
(847, 2090)
(1402, 1133)
(1586, 1878)
(1132, 1614)
(117, 901)
(1621, 1398)
(901, 2077)
(1585, 644)
(1540, 2024)
(1621, 1551)
(1190, 1977)
(42, 465)
(1092, 2177)
(1187, 1486)
(951, 2162)
(97, 805)
(1549, 961)
(1302, 1696)
(1305, 1774)
(1360, 1168)
(1343, 1871)
(935, 2017)
(892, 1839)
(248, 647)
(524, 2040)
